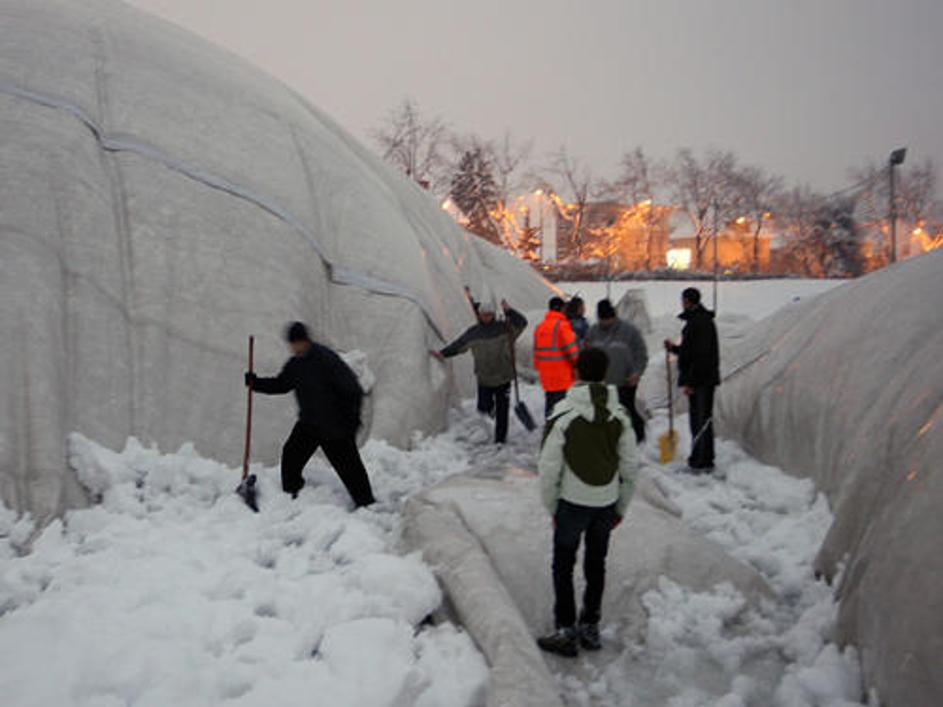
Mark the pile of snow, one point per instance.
(171, 592)
(162, 200)
(848, 389)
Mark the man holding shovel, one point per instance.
(698, 376)
(490, 342)
(329, 398)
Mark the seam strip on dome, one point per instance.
(337, 274)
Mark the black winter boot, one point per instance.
(563, 641)
(589, 637)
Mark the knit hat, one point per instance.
(488, 302)
(296, 331)
(605, 310)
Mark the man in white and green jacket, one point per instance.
(587, 465)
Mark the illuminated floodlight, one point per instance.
(679, 258)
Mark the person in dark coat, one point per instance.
(576, 313)
(698, 376)
(329, 398)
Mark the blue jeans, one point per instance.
(551, 398)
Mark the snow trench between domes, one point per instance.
(337, 274)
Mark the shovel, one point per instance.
(246, 488)
(668, 442)
(520, 409)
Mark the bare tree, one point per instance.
(701, 185)
(758, 191)
(509, 158)
(577, 180)
(637, 183)
(416, 145)
(796, 217)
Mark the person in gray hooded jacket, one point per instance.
(490, 342)
(628, 358)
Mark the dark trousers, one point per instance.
(627, 399)
(342, 453)
(495, 401)
(552, 397)
(571, 523)
(701, 409)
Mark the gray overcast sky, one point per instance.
(805, 88)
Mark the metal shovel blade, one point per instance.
(523, 414)
(249, 492)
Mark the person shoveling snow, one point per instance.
(329, 399)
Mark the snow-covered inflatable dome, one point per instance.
(162, 200)
(848, 389)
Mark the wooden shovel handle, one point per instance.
(671, 410)
(248, 447)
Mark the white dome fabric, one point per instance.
(848, 389)
(162, 200)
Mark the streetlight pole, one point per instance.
(896, 158)
(716, 264)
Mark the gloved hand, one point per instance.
(250, 379)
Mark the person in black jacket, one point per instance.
(329, 398)
(699, 374)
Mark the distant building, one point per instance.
(734, 247)
(628, 237)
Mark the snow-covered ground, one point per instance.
(170, 591)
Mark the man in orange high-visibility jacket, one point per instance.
(555, 354)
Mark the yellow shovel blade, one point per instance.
(667, 446)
